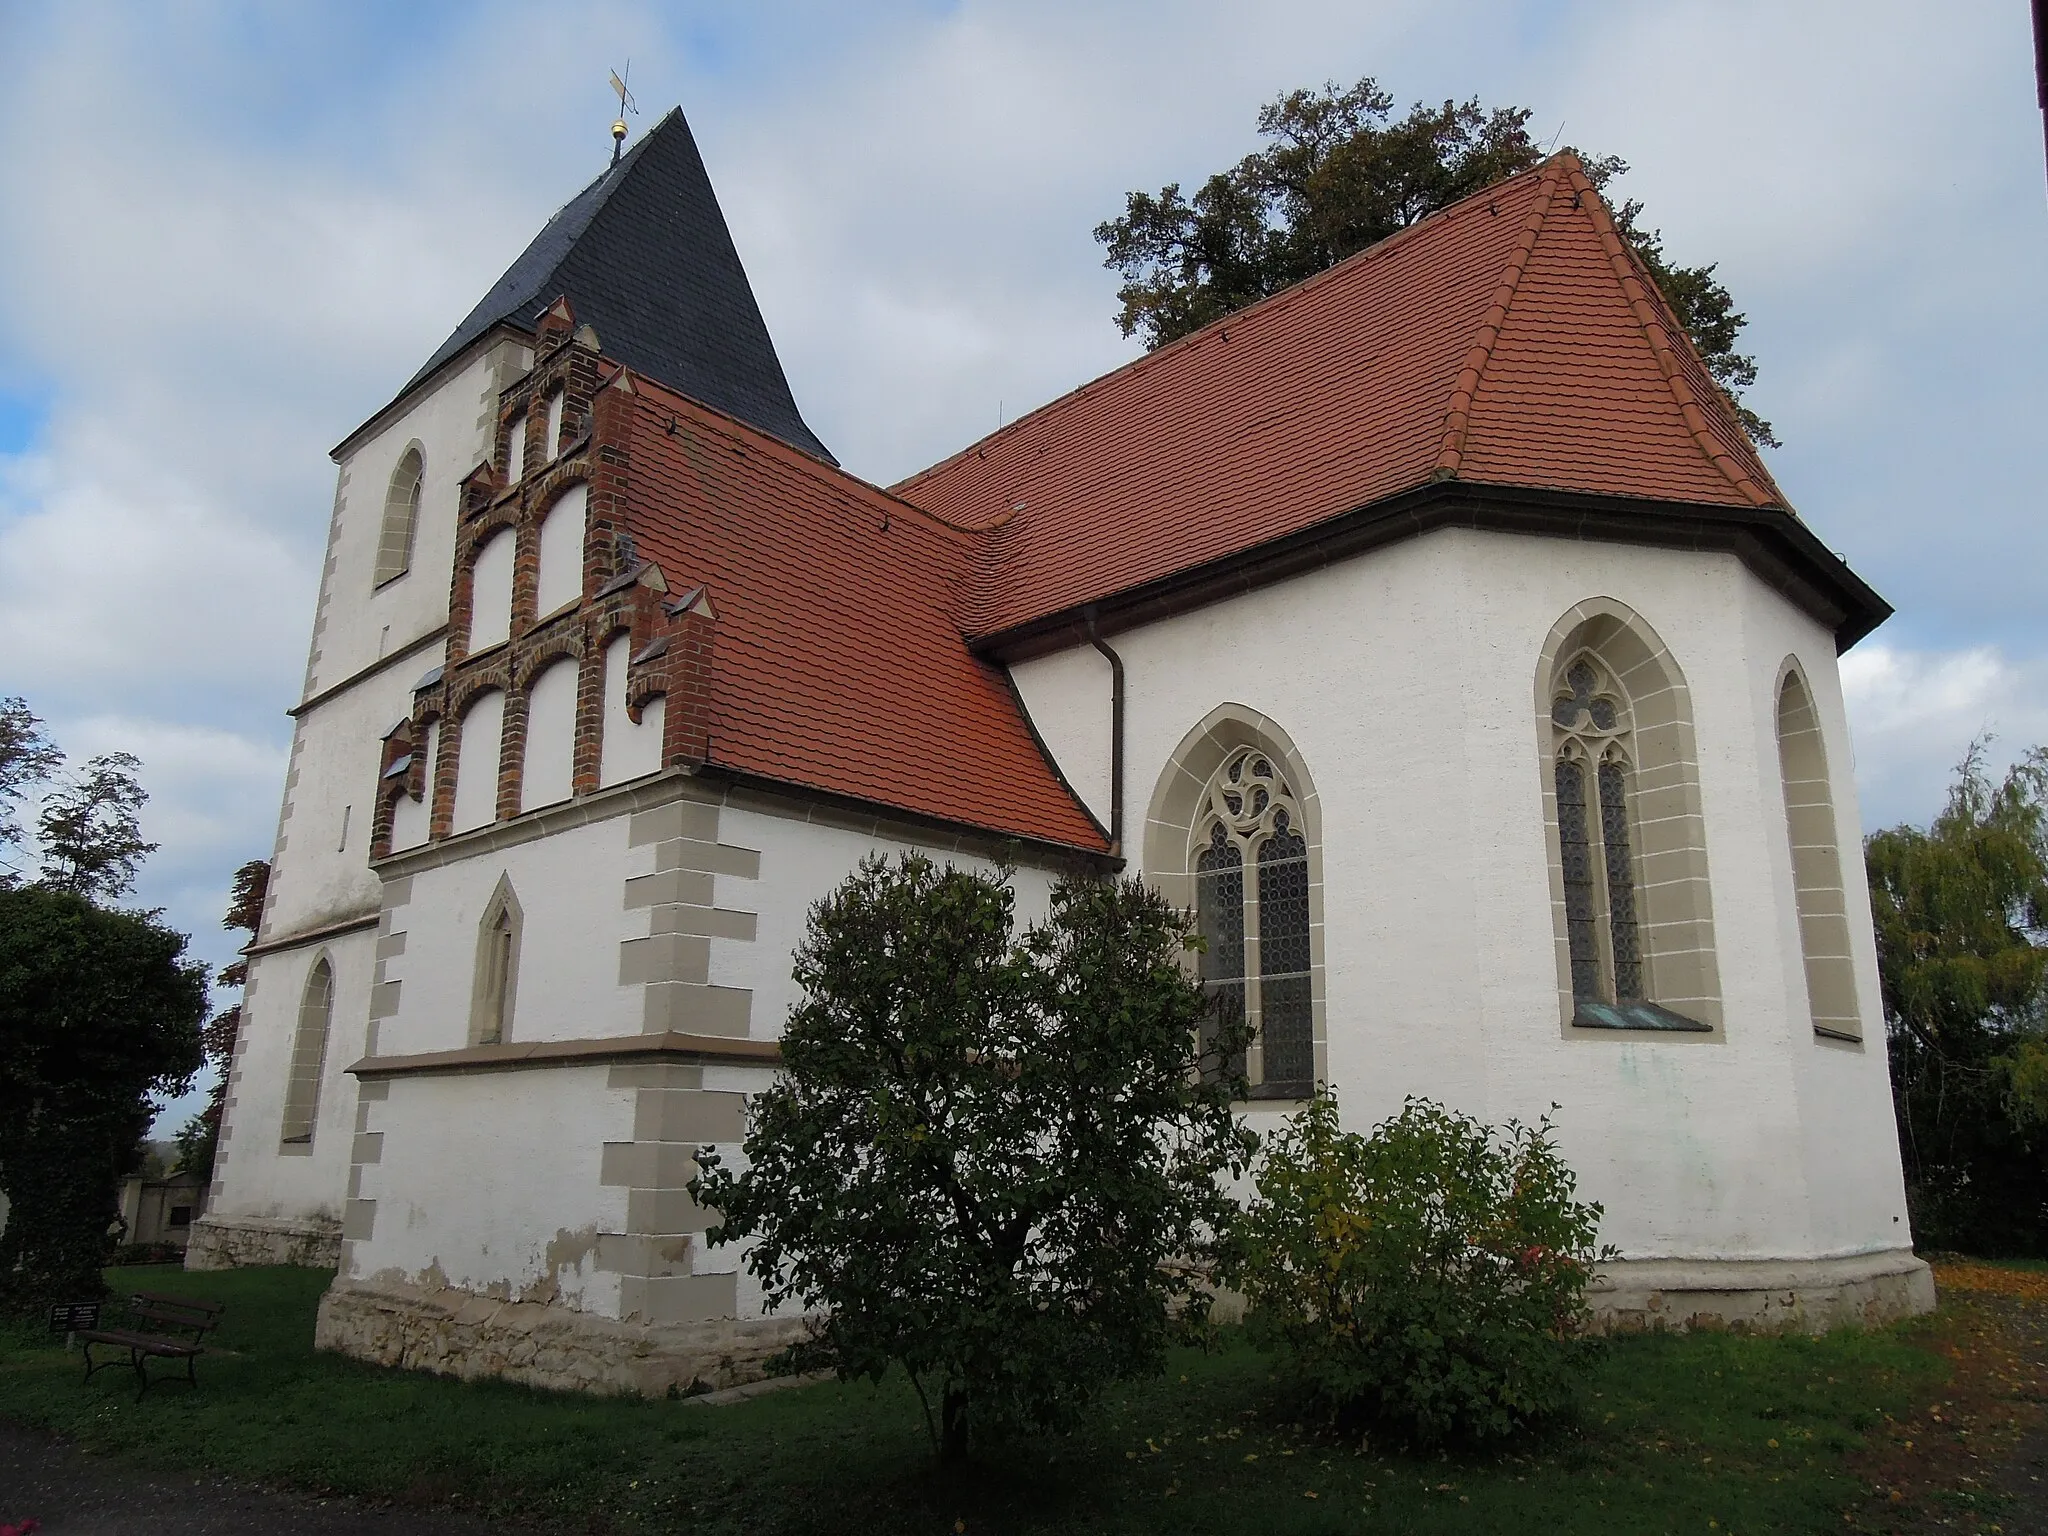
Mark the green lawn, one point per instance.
(1706, 1433)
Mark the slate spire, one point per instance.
(645, 257)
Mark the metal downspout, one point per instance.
(1116, 737)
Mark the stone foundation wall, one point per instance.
(1766, 1296)
(455, 1332)
(238, 1242)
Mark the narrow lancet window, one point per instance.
(309, 1055)
(401, 516)
(497, 969)
(1817, 887)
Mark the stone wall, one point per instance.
(456, 1332)
(1774, 1296)
(238, 1242)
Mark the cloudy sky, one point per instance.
(229, 232)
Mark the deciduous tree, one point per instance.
(1339, 173)
(91, 829)
(199, 1138)
(1960, 909)
(98, 1011)
(993, 1161)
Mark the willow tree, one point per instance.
(1961, 907)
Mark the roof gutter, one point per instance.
(1116, 735)
(1776, 546)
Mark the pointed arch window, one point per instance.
(497, 968)
(552, 447)
(401, 516)
(309, 1055)
(1819, 897)
(1597, 769)
(1250, 861)
(515, 450)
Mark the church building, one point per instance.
(1431, 628)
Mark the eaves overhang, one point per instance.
(1771, 542)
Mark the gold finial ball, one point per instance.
(619, 129)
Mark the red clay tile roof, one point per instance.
(838, 663)
(1511, 339)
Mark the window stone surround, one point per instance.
(1674, 898)
(1177, 803)
(1820, 897)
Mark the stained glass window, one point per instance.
(1257, 965)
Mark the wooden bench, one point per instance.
(166, 1328)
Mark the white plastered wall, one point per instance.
(490, 1181)
(258, 1176)
(453, 422)
(1838, 1081)
(319, 876)
(570, 888)
(1406, 680)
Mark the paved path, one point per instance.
(74, 1494)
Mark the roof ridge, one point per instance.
(1646, 309)
(1274, 300)
(1458, 414)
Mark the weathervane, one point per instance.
(626, 104)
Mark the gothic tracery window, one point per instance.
(1257, 958)
(1594, 760)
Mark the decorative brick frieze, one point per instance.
(671, 644)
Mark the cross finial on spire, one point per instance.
(626, 104)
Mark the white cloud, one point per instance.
(248, 237)
(1913, 715)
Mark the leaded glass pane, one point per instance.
(1603, 714)
(1577, 857)
(1227, 1016)
(1621, 885)
(1286, 1018)
(1219, 918)
(1287, 1036)
(1219, 907)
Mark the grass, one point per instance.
(1706, 1433)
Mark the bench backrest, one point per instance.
(180, 1312)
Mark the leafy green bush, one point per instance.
(1429, 1277)
(992, 1159)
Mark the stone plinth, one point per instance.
(1767, 1296)
(238, 1242)
(455, 1332)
